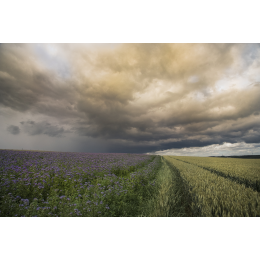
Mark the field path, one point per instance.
(170, 200)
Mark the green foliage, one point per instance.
(213, 195)
(170, 197)
(123, 192)
(242, 171)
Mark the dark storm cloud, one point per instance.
(15, 130)
(143, 97)
(111, 102)
(33, 128)
(129, 147)
(27, 85)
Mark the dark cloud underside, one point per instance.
(15, 130)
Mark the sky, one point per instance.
(174, 99)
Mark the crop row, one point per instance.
(243, 171)
(74, 184)
(214, 195)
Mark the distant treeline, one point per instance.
(240, 156)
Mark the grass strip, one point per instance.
(171, 197)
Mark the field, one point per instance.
(75, 184)
(245, 171)
(214, 195)
(35, 183)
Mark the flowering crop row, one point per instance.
(244, 171)
(214, 195)
(74, 184)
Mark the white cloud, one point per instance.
(226, 149)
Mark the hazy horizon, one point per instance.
(180, 99)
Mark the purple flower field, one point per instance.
(75, 184)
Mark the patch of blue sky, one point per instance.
(248, 72)
(193, 79)
(250, 53)
(51, 57)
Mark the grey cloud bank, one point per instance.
(15, 130)
(34, 128)
(136, 98)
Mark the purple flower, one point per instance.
(56, 168)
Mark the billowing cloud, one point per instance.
(138, 97)
(15, 130)
(226, 149)
(37, 128)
